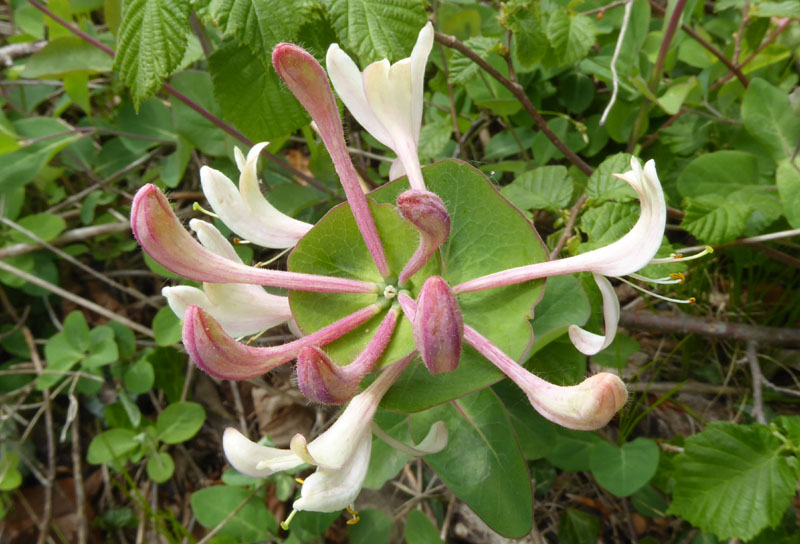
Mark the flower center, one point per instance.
(390, 292)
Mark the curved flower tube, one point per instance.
(162, 236)
(587, 406)
(341, 453)
(221, 356)
(245, 210)
(387, 98)
(590, 343)
(307, 80)
(625, 256)
(321, 380)
(240, 309)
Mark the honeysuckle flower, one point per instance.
(438, 326)
(321, 380)
(307, 80)
(341, 453)
(627, 255)
(239, 308)
(387, 98)
(586, 406)
(426, 211)
(244, 209)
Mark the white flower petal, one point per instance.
(434, 441)
(212, 239)
(254, 460)
(349, 85)
(397, 170)
(419, 58)
(332, 490)
(590, 343)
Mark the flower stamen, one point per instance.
(353, 512)
(667, 280)
(198, 208)
(679, 257)
(285, 523)
(690, 300)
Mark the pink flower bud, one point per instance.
(321, 380)
(438, 326)
(426, 211)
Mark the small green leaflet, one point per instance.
(151, 43)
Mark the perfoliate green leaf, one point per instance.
(252, 95)
(571, 36)
(362, 27)
(731, 480)
(151, 43)
(259, 24)
(482, 463)
(769, 118)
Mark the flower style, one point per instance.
(387, 99)
(341, 453)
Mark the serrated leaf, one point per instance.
(529, 43)
(362, 27)
(715, 222)
(259, 24)
(769, 118)
(546, 187)
(608, 223)
(731, 480)
(788, 179)
(492, 478)
(602, 184)
(252, 96)
(623, 471)
(151, 43)
(571, 36)
(463, 69)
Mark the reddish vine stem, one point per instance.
(519, 93)
(186, 100)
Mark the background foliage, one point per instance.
(106, 432)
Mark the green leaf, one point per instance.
(529, 44)
(139, 377)
(67, 55)
(769, 118)
(251, 524)
(492, 479)
(160, 467)
(362, 27)
(673, 98)
(166, 327)
(252, 95)
(462, 68)
(546, 187)
(552, 316)
(126, 340)
(536, 435)
(196, 129)
(788, 179)
(259, 24)
(625, 470)
(718, 173)
(151, 43)
(44, 225)
(102, 348)
(77, 330)
(61, 356)
(577, 92)
(648, 501)
(602, 184)
(385, 461)
(578, 527)
(608, 223)
(573, 449)
(335, 247)
(10, 476)
(374, 527)
(713, 223)
(420, 530)
(111, 445)
(179, 422)
(732, 481)
(616, 355)
(571, 36)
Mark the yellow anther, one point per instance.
(692, 300)
(353, 521)
(239, 242)
(680, 276)
(676, 255)
(351, 511)
(300, 481)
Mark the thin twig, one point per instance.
(68, 237)
(105, 312)
(748, 241)
(77, 472)
(685, 324)
(617, 49)
(47, 515)
(519, 93)
(755, 376)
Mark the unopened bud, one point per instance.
(438, 326)
(586, 406)
(321, 380)
(426, 211)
